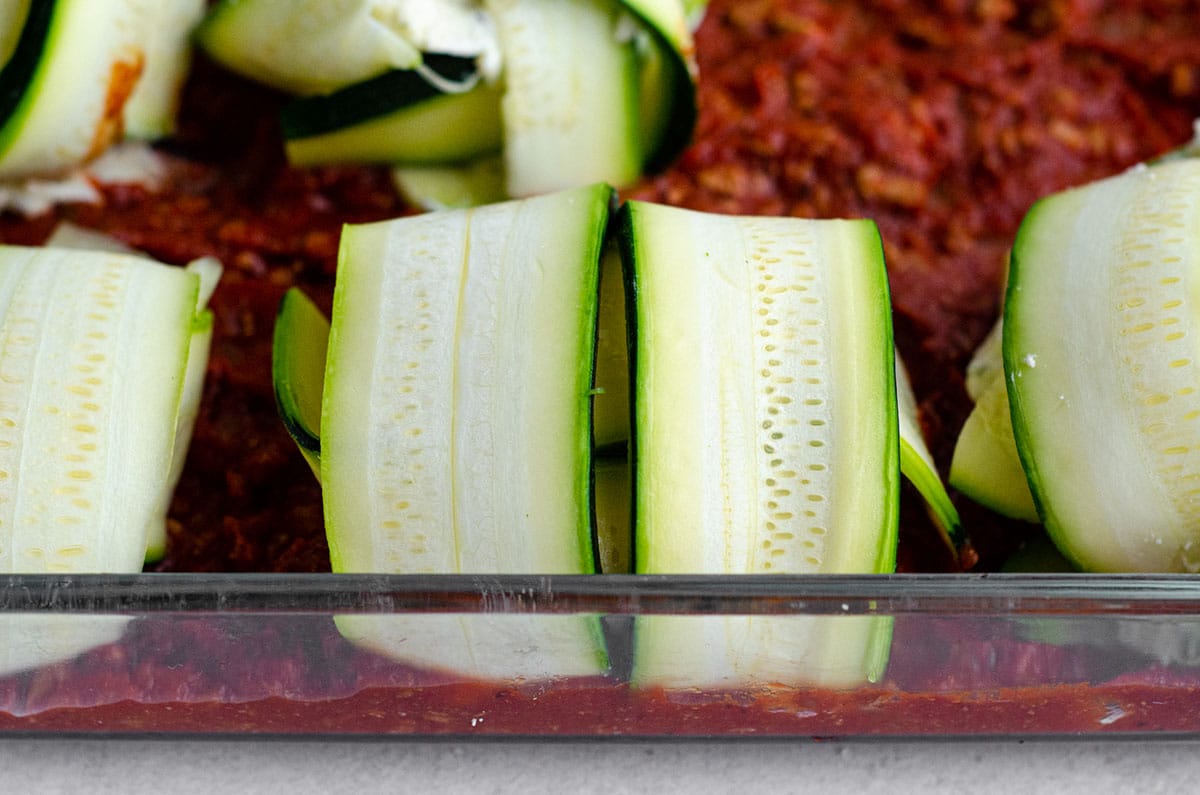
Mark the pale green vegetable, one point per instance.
(93, 367)
(150, 112)
(78, 57)
(1100, 352)
(766, 433)
(455, 432)
(918, 467)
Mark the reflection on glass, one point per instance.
(749, 651)
(488, 646)
(33, 640)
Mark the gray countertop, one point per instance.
(129, 767)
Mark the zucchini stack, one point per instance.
(1088, 410)
(451, 424)
(766, 433)
(471, 101)
(454, 429)
(101, 364)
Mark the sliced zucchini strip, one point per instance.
(1100, 351)
(570, 105)
(485, 319)
(610, 404)
(151, 111)
(12, 20)
(63, 91)
(398, 117)
(918, 467)
(208, 271)
(455, 186)
(38, 639)
(92, 368)
(666, 79)
(986, 368)
(986, 466)
(455, 425)
(306, 46)
(765, 432)
(298, 371)
(614, 529)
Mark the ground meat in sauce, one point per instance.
(942, 121)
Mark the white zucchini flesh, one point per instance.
(765, 433)
(151, 111)
(71, 107)
(570, 104)
(93, 355)
(455, 425)
(208, 270)
(1100, 351)
(482, 322)
(38, 639)
(784, 405)
(306, 47)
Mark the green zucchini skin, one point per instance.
(397, 118)
(1099, 353)
(359, 102)
(298, 354)
(18, 71)
(667, 81)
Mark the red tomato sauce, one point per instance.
(242, 675)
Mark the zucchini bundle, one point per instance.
(101, 361)
(447, 410)
(1099, 374)
(454, 427)
(765, 433)
(549, 94)
(78, 74)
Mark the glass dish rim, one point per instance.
(981, 594)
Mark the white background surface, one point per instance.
(285, 767)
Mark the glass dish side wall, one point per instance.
(553, 657)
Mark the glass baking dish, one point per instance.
(480, 656)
